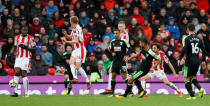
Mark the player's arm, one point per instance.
(172, 69)
(204, 53)
(76, 40)
(14, 49)
(158, 60)
(66, 34)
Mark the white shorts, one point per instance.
(160, 74)
(22, 63)
(79, 54)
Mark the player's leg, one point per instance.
(25, 82)
(108, 90)
(83, 73)
(73, 67)
(113, 82)
(171, 85)
(188, 84)
(70, 83)
(16, 80)
(66, 77)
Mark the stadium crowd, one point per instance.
(162, 21)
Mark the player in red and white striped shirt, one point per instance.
(159, 70)
(24, 45)
(79, 51)
(123, 33)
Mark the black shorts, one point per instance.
(191, 70)
(119, 67)
(68, 72)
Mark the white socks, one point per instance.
(109, 81)
(16, 80)
(25, 84)
(143, 84)
(83, 73)
(73, 70)
(174, 87)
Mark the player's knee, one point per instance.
(130, 80)
(66, 77)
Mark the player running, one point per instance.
(192, 46)
(159, 70)
(79, 51)
(24, 45)
(118, 49)
(125, 37)
(144, 67)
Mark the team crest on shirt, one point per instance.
(121, 43)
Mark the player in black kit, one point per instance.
(118, 49)
(144, 67)
(190, 54)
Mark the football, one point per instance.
(12, 83)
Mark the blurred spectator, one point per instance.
(207, 73)
(165, 34)
(105, 43)
(44, 18)
(51, 46)
(77, 8)
(106, 62)
(91, 62)
(24, 10)
(197, 25)
(38, 66)
(174, 29)
(10, 60)
(101, 68)
(109, 4)
(58, 58)
(112, 19)
(35, 26)
(117, 9)
(43, 35)
(139, 18)
(193, 9)
(208, 23)
(103, 11)
(24, 23)
(16, 29)
(96, 17)
(92, 27)
(5, 16)
(46, 56)
(52, 32)
(91, 9)
(16, 16)
(36, 11)
(174, 62)
(91, 47)
(169, 9)
(83, 18)
(158, 39)
(146, 11)
(147, 29)
(98, 52)
(172, 45)
(2, 71)
(202, 17)
(205, 34)
(188, 15)
(51, 8)
(133, 26)
(155, 25)
(38, 41)
(2, 7)
(125, 17)
(101, 26)
(162, 16)
(129, 8)
(180, 10)
(108, 33)
(8, 30)
(183, 25)
(86, 35)
(63, 9)
(139, 33)
(58, 20)
(7, 47)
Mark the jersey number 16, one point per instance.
(195, 48)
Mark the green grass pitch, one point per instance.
(102, 100)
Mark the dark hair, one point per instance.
(144, 40)
(116, 29)
(191, 27)
(157, 45)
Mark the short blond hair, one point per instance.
(74, 19)
(122, 22)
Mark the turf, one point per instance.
(101, 100)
